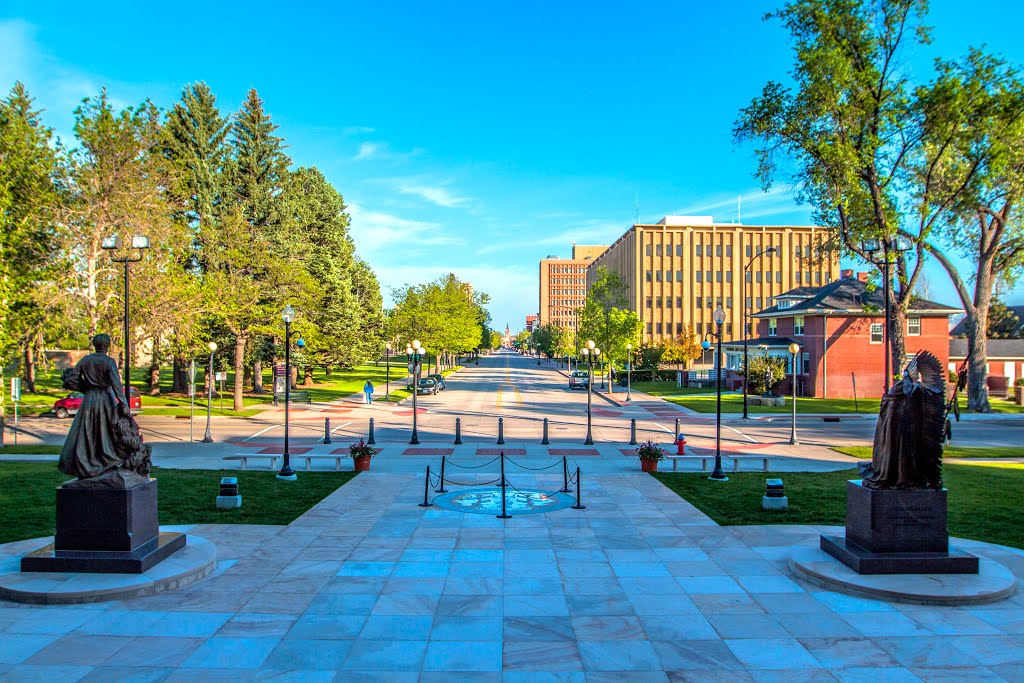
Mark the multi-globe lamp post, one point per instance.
(415, 353)
(115, 245)
(745, 316)
(387, 371)
(719, 318)
(208, 437)
(590, 353)
(794, 349)
(629, 369)
(288, 317)
(886, 246)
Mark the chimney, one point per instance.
(846, 274)
(863, 277)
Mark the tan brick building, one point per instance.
(563, 285)
(680, 269)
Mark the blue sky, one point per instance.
(472, 137)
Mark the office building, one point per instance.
(563, 285)
(678, 270)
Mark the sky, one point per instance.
(473, 137)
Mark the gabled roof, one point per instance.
(995, 348)
(845, 297)
(961, 327)
(753, 345)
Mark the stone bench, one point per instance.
(294, 397)
(310, 458)
(704, 460)
(245, 458)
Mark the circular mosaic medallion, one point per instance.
(488, 501)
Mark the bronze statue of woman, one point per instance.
(104, 445)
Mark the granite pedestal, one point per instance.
(890, 531)
(106, 530)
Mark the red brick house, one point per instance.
(839, 328)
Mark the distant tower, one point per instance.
(508, 337)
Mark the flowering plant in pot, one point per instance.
(361, 453)
(649, 453)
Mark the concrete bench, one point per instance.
(310, 458)
(704, 460)
(244, 459)
(294, 397)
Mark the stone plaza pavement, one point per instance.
(639, 586)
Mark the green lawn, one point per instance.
(341, 383)
(984, 499)
(733, 403)
(666, 389)
(186, 497)
(864, 452)
(32, 449)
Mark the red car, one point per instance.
(68, 406)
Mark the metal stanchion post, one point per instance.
(458, 431)
(371, 441)
(442, 489)
(426, 490)
(327, 430)
(501, 431)
(578, 505)
(504, 514)
(565, 475)
(675, 434)
(632, 432)
(544, 441)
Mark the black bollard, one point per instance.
(578, 505)
(632, 432)
(327, 430)
(565, 475)
(544, 441)
(675, 434)
(426, 490)
(458, 431)
(501, 431)
(504, 514)
(442, 489)
(371, 441)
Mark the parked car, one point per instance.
(579, 379)
(440, 381)
(68, 406)
(427, 385)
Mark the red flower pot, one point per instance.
(362, 463)
(648, 465)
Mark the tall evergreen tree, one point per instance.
(260, 165)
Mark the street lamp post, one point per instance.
(794, 349)
(415, 353)
(719, 317)
(629, 369)
(288, 316)
(113, 245)
(872, 246)
(746, 269)
(387, 376)
(590, 352)
(208, 438)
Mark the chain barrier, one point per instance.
(475, 483)
(469, 467)
(532, 469)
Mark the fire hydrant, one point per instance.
(680, 445)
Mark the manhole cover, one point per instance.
(488, 501)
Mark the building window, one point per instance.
(658, 328)
(758, 277)
(657, 275)
(700, 250)
(648, 302)
(700, 276)
(876, 333)
(650, 275)
(747, 276)
(650, 328)
(728, 276)
(750, 251)
(700, 302)
(650, 250)
(807, 252)
(773, 326)
(700, 329)
(798, 277)
(728, 302)
(778, 276)
(679, 250)
(728, 329)
(707, 276)
(668, 276)
(718, 276)
(817, 278)
(718, 300)
(914, 325)
(657, 302)
(708, 302)
(679, 302)
(759, 303)
(805, 362)
(679, 329)
(657, 250)
(749, 302)
(798, 324)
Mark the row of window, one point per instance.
(568, 269)
(718, 276)
(913, 329)
(726, 250)
(666, 328)
(568, 281)
(656, 302)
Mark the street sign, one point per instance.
(279, 370)
(221, 376)
(15, 389)
(192, 372)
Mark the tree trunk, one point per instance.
(154, 377)
(179, 375)
(328, 370)
(257, 376)
(239, 384)
(307, 376)
(294, 379)
(977, 356)
(28, 368)
(897, 343)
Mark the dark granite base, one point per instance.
(863, 561)
(108, 520)
(896, 521)
(105, 561)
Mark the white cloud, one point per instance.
(367, 150)
(381, 151)
(435, 195)
(377, 232)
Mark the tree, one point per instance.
(853, 133)
(30, 200)
(765, 373)
(1003, 323)
(444, 315)
(605, 319)
(495, 340)
(682, 349)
